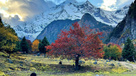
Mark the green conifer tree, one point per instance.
(24, 45)
(128, 51)
(17, 48)
(1, 24)
(45, 41)
(42, 45)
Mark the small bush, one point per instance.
(112, 51)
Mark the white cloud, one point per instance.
(109, 5)
(22, 9)
(112, 5)
(122, 1)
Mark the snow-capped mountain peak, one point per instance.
(68, 2)
(71, 1)
(70, 9)
(87, 3)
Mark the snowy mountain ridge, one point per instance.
(70, 9)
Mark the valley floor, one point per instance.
(24, 65)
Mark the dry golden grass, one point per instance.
(24, 65)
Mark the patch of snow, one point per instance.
(69, 10)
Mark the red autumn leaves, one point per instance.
(78, 40)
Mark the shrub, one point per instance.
(112, 51)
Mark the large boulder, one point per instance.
(38, 54)
(95, 62)
(10, 61)
(112, 65)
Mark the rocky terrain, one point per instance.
(125, 29)
(72, 10)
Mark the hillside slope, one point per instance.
(70, 9)
(126, 28)
(53, 29)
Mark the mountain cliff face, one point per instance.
(54, 28)
(70, 9)
(126, 28)
(87, 19)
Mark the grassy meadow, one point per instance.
(25, 64)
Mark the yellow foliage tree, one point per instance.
(35, 45)
(112, 51)
(8, 38)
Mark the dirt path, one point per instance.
(128, 65)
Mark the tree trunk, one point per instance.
(44, 54)
(77, 63)
(9, 55)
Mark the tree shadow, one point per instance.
(57, 68)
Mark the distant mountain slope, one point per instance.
(54, 28)
(87, 19)
(126, 28)
(70, 9)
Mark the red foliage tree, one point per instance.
(77, 42)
